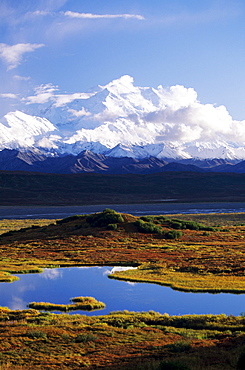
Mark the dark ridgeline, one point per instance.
(31, 188)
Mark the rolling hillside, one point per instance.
(27, 188)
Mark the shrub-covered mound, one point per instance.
(105, 218)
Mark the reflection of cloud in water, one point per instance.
(118, 269)
(51, 274)
(130, 283)
(25, 288)
(106, 272)
(90, 267)
(121, 268)
(17, 304)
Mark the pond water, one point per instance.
(60, 284)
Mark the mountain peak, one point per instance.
(122, 85)
(121, 119)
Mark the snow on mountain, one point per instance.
(18, 129)
(121, 119)
(220, 149)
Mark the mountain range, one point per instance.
(89, 162)
(120, 128)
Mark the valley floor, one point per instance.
(122, 340)
(208, 255)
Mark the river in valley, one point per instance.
(163, 207)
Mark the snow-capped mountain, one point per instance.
(123, 120)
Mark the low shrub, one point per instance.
(70, 218)
(105, 218)
(173, 234)
(206, 233)
(177, 225)
(84, 338)
(34, 334)
(180, 346)
(190, 225)
(112, 227)
(147, 218)
(148, 227)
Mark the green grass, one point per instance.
(79, 303)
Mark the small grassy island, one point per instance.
(79, 303)
(186, 252)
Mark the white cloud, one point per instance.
(43, 94)
(31, 18)
(81, 113)
(141, 116)
(49, 142)
(40, 13)
(102, 16)
(183, 117)
(64, 99)
(9, 96)
(21, 78)
(12, 54)
(178, 116)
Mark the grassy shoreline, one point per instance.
(183, 282)
(123, 340)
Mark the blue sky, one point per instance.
(77, 44)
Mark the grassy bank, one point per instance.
(122, 340)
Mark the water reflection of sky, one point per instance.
(59, 285)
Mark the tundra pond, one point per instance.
(59, 285)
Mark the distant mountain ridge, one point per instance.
(89, 162)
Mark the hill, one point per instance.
(27, 188)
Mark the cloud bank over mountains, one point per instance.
(156, 114)
(171, 119)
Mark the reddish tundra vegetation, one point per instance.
(191, 253)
